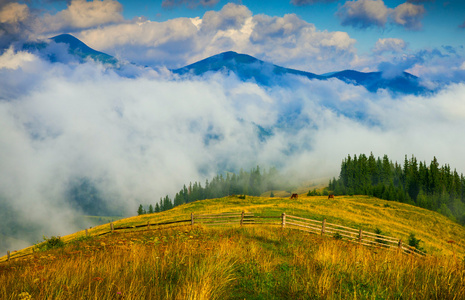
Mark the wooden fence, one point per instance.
(324, 228)
(359, 236)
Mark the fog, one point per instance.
(138, 139)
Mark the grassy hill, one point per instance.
(250, 262)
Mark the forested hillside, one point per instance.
(433, 187)
(252, 183)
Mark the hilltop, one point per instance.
(252, 262)
(392, 218)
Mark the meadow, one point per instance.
(249, 262)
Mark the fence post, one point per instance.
(400, 245)
(8, 255)
(242, 218)
(360, 235)
(148, 225)
(112, 227)
(192, 218)
(87, 233)
(283, 220)
(323, 226)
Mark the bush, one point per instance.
(82, 238)
(313, 193)
(414, 242)
(50, 243)
(337, 236)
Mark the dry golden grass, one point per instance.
(194, 262)
(440, 236)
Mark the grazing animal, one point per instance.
(294, 196)
(331, 196)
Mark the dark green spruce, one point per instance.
(433, 187)
(252, 183)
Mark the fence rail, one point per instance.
(337, 231)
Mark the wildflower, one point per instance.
(25, 296)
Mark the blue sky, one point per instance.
(313, 35)
(439, 23)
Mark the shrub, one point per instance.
(414, 242)
(313, 193)
(50, 243)
(337, 236)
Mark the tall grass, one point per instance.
(394, 219)
(228, 263)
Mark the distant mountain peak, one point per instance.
(249, 68)
(246, 67)
(75, 47)
(78, 48)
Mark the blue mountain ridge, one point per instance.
(83, 51)
(248, 68)
(76, 48)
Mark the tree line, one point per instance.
(433, 187)
(252, 183)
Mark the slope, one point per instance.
(83, 51)
(395, 219)
(246, 67)
(250, 262)
(75, 47)
(249, 68)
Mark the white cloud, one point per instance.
(14, 13)
(408, 15)
(287, 40)
(390, 45)
(12, 60)
(141, 138)
(364, 13)
(374, 13)
(152, 43)
(231, 16)
(81, 14)
(294, 43)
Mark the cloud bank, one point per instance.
(287, 40)
(390, 45)
(374, 13)
(137, 139)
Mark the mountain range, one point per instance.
(247, 68)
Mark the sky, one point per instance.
(139, 132)
(319, 36)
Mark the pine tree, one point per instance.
(150, 209)
(140, 210)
